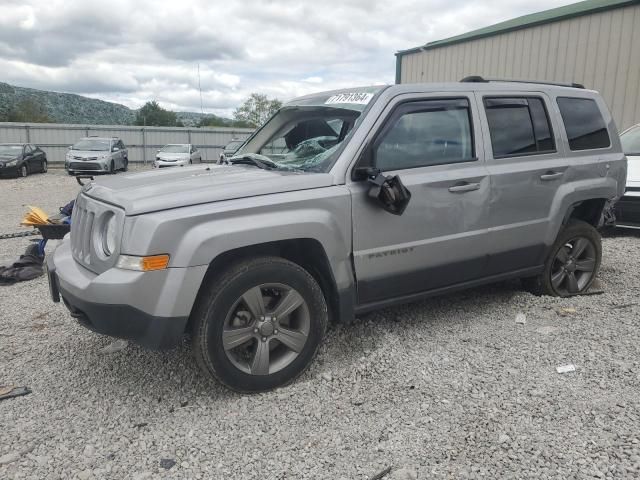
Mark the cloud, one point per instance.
(131, 52)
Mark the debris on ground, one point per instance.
(167, 463)
(521, 319)
(566, 311)
(11, 391)
(27, 267)
(381, 474)
(114, 347)
(566, 368)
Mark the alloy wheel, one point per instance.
(574, 266)
(266, 329)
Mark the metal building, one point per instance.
(595, 43)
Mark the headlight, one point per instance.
(110, 237)
(12, 163)
(105, 237)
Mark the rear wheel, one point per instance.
(259, 324)
(572, 264)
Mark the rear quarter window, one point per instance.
(583, 123)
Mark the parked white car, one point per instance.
(177, 155)
(628, 207)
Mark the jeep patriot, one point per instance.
(342, 203)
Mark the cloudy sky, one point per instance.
(137, 50)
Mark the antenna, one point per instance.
(200, 88)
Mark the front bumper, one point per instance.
(627, 209)
(148, 308)
(9, 171)
(87, 166)
(165, 163)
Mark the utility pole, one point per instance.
(200, 88)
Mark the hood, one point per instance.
(162, 189)
(633, 171)
(8, 158)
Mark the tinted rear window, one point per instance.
(518, 126)
(583, 123)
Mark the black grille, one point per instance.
(84, 166)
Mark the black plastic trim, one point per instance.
(414, 297)
(126, 322)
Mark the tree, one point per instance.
(256, 110)
(29, 111)
(152, 114)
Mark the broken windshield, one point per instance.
(306, 134)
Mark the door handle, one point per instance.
(551, 176)
(464, 187)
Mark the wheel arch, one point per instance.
(309, 253)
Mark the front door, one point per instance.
(433, 144)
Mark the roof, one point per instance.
(540, 18)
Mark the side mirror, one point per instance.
(388, 192)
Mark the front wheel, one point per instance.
(259, 324)
(45, 167)
(572, 264)
(125, 166)
(112, 168)
(24, 171)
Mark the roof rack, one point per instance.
(479, 79)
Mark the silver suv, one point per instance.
(342, 203)
(97, 155)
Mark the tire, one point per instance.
(45, 167)
(24, 171)
(221, 305)
(566, 274)
(125, 166)
(112, 168)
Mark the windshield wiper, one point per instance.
(263, 163)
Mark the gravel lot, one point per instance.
(451, 387)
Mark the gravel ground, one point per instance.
(451, 387)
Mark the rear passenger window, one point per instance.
(425, 133)
(583, 123)
(518, 126)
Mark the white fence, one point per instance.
(142, 142)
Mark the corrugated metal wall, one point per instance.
(142, 142)
(600, 50)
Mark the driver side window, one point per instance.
(425, 133)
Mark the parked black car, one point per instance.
(21, 159)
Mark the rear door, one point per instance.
(526, 169)
(432, 143)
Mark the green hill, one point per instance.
(71, 108)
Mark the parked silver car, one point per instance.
(628, 208)
(345, 202)
(97, 155)
(177, 155)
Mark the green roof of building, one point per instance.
(540, 18)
